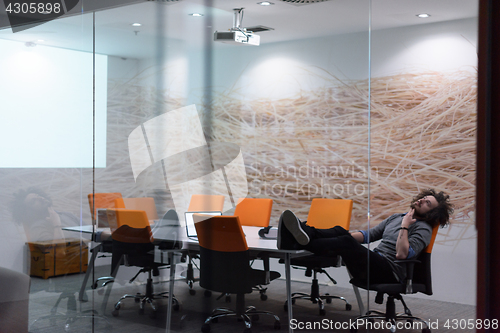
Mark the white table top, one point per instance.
(160, 233)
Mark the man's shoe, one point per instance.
(293, 226)
(285, 241)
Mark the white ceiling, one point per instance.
(116, 36)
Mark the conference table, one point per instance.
(171, 233)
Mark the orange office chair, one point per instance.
(146, 204)
(225, 267)
(99, 201)
(206, 203)
(133, 243)
(201, 203)
(103, 200)
(323, 214)
(419, 279)
(255, 212)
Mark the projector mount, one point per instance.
(237, 34)
(237, 19)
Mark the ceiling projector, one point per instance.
(237, 35)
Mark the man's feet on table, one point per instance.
(291, 236)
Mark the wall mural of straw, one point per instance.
(316, 144)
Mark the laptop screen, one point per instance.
(190, 228)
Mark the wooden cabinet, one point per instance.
(58, 257)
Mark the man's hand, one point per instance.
(408, 219)
(402, 244)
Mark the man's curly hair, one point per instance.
(20, 212)
(441, 214)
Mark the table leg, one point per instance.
(358, 297)
(288, 290)
(360, 301)
(170, 289)
(82, 296)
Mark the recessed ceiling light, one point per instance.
(196, 14)
(136, 24)
(265, 3)
(423, 15)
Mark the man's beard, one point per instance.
(416, 215)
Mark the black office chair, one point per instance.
(324, 213)
(133, 245)
(313, 265)
(225, 267)
(419, 279)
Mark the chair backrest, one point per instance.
(131, 237)
(206, 203)
(327, 213)
(254, 211)
(422, 271)
(170, 218)
(170, 226)
(14, 300)
(146, 204)
(129, 226)
(224, 257)
(103, 200)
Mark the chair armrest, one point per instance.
(410, 264)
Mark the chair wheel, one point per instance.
(255, 317)
(206, 293)
(277, 325)
(228, 299)
(94, 285)
(328, 300)
(322, 312)
(192, 292)
(348, 307)
(205, 328)
(263, 297)
(115, 313)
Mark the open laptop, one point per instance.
(190, 228)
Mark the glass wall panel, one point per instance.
(46, 167)
(143, 104)
(423, 123)
(287, 119)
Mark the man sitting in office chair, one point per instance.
(403, 236)
(33, 209)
